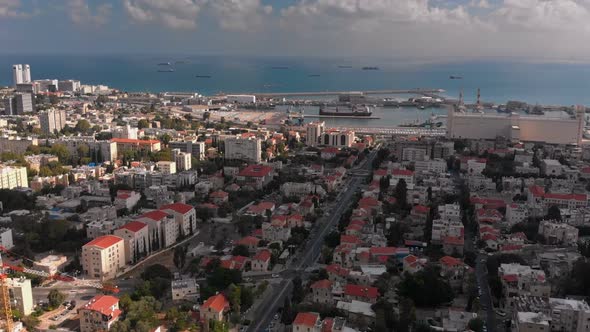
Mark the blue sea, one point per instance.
(500, 81)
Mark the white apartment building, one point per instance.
(518, 280)
(192, 147)
(434, 165)
(475, 166)
(551, 167)
(6, 238)
(21, 294)
(313, 131)
(450, 212)
(183, 160)
(337, 138)
(558, 233)
(442, 228)
(16, 144)
(247, 149)
(516, 213)
(186, 289)
(52, 120)
(103, 257)
(167, 167)
(13, 176)
(99, 314)
(69, 85)
(415, 154)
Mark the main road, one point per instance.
(267, 309)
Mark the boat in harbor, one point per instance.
(426, 124)
(370, 68)
(164, 64)
(390, 102)
(361, 111)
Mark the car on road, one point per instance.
(276, 317)
(274, 275)
(500, 313)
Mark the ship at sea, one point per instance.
(370, 68)
(345, 111)
(164, 64)
(166, 71)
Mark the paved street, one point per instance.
(270, 304)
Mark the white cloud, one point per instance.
(175, 14)
(80, 13)
(483, 4)
(554, 15)
(11, 9)
(239, 14)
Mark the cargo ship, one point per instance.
(370, 68)
(346, 111)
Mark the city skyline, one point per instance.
(384, 28)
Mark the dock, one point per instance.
(341, 117)
(399, 131)
(425, 92)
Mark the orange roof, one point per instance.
(322, 284)
(263, 256)
(103, 304)
(450, 261)
(218, 194)
(216, 302)
(135, 141)
(177, 207)
(104, 241)
(361, 291)
(249, 241)
(134, 226)
(255, 171)
(155, 215)
(306, 318)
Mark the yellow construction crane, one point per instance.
(5, 309)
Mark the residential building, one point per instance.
(99, 314)
(243, 148)
(361, 293)
(69, 85)
(52, 121)
(19, 104)
(16, 144)
(321, 291)
(193, 147)
(183, 160)
(261, 261)
(13, 177)
(137, 240)
(6, 238)
(558, 233)
(307, 322)
(21, 295)
(51, 264)
(551, 167)
(184, 215)
(558, 314)
(185, 289)
(337, 138)
(257, 176)
(103, 257)
(124, 144)
(166, 167)
(518, 280)
(516, 213)
(456, 320)
(126, 199)
(531, 322)
(215, 308)
(313, 132)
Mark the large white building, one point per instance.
(515, 127)
(21, 74)
(21, 295)
(558, 233)
(13, 177)
(52, 121)
(193, 147)
(103, 257)
(247, 149)
(313, 131)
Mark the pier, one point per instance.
(401, 131)
(423, 92)
(341, 117)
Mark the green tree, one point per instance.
(179, 256)
(426, 287)
(241, 250)
(61, 151)
(55, 298)
(401, 193)
(83, 126)
(143, 123)
(553, 213)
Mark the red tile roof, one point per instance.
(337, 270)
(263, 256)
(219, 194)
(361, 291)
(349, 239)
(104, 241)
(256, 171)
(383, 251)
(537, 191)
(510, 277)
(568, 197)
(330, 149)
(309, 319)
(420, 209)
(216, 302)
(103, 304)
(368, 201)
(155, 215)
(177, 207)
(249, 241)
(455, 240)
(134, 226)
(410, 259)
(321, 284)
(450, 261)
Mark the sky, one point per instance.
(529, 29)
